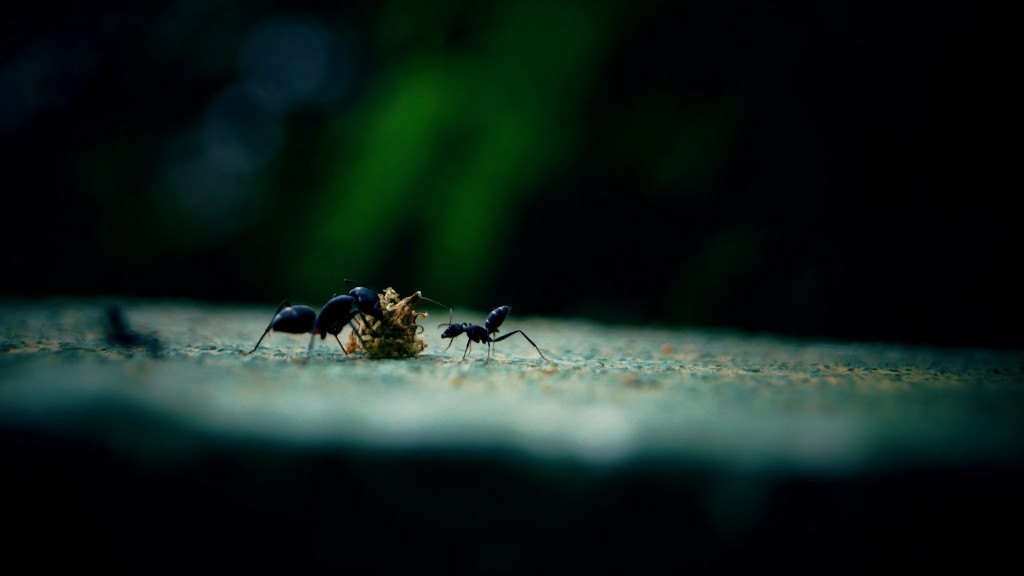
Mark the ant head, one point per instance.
(453, 330)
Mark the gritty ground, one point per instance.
(169, 379)
(609, 393)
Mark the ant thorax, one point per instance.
(397, 335)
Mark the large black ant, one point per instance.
(482, 334)
(299, 319)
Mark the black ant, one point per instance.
(482, 334)
(336, 313)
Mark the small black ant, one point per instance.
(482, 334)
(299, 319)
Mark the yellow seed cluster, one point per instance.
(397, 336)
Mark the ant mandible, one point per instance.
(482, 334)
(333, 317)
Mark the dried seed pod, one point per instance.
(397, 335)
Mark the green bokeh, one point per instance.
(441, 158)
(752, 165)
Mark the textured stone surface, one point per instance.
(743, 438)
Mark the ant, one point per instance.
(482, 334)
(300, 319)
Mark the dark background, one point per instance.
(829, 170)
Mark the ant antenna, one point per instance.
(422, 297)
(449, 322)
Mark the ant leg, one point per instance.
(363, 317)
(354, 331)
(527, 339)
(362, 343)
(340, 344)
(469, 342)
(265, 332)
(309, 351)
(284, 304)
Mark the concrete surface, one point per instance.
(634, 447)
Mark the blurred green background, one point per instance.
(801, 168)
